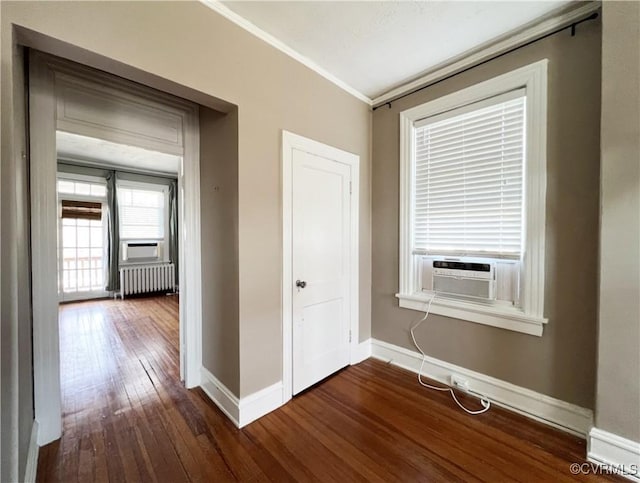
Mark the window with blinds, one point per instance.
(468, 179)
(142, 213)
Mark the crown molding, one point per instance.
(562, 17)
(229, 14)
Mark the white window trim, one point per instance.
(528, 318)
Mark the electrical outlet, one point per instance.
(460, 383)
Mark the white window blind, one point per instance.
(468, 179)
(141, 213)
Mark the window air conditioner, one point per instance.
(141, 251)
(465, 279)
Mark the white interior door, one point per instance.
(320, 267)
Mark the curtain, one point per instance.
(113, 236)
(173, 226)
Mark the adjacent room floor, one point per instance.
(127, 417)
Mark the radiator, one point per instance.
(158, 277)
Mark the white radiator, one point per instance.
(158, 277)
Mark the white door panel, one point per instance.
(321, 241)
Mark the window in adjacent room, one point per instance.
(472, 202)
(81, 243)
(143, 218)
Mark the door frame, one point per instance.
(43, 171)
(291, 141)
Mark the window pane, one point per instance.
(146, 198)
(468, 175)
(83, 188)
(96, 257)
(83, 252)
(96, 236)
(68, 236)
(98, 190)
(142, 213)
(69, 258)
(65, 186)
(84, 280)
(69, 253)
(96, 279)
(83, 237)
(68, 280)
(83, 258)
(124, 196)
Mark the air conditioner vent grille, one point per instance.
(476, 288)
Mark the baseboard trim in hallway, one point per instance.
(228, 402)
(247, 409)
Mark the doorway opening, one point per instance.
(117, 274)
(115, 228)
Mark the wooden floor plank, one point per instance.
(127, 417)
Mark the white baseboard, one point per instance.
(31, 468)
(241, 411)
(219, 394)
(614, 453)
(247, 409)
(361, 352)
(560, 414)
(259, 403)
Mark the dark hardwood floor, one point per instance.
(128, 418)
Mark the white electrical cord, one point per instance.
(483, 400)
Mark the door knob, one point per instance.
(301, 283)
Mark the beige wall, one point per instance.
(191, 46)
(561, 363)
(618, 395)
(219, 225)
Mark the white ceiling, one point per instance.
(374, 46)
(106, 153)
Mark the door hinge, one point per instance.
(349, 336)
(350, 187)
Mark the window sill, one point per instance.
(502, 317)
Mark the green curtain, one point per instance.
(173, 227)
(113, 235)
